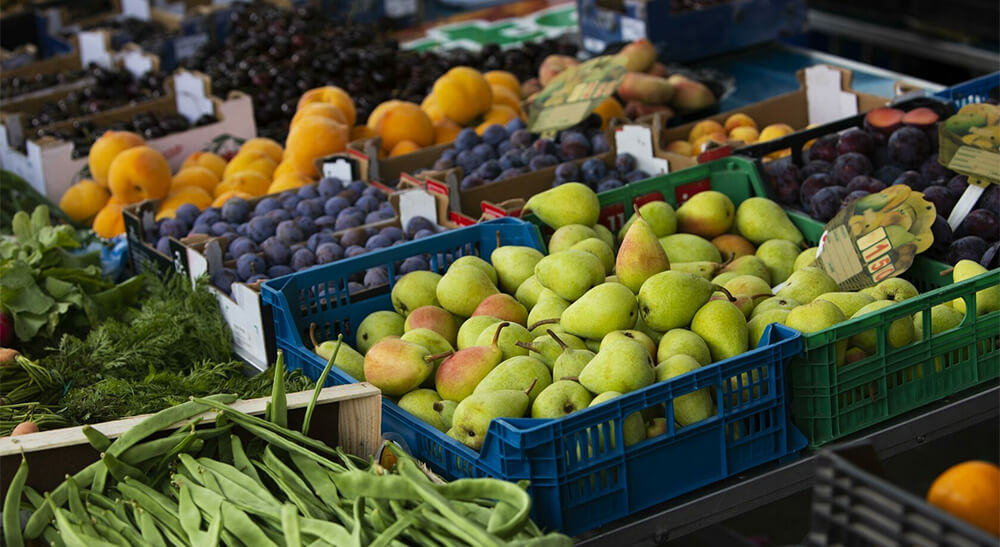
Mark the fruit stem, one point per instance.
(526, 345)
(571, 378)
(498, 239)
(496, 335)
(756, 296)
(435, 357)
(557, 339)
(532, 386)
(728, 294)
(312, 334)
(946, 272)
(537, 324)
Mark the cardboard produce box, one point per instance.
(49, 166)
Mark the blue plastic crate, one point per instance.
(974, 91)
(576, 483)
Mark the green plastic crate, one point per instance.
(829, 402)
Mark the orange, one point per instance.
(505, 79)
(333, 95)
(971, 492)
(252, 160)
(463, 94)
(265, 145)
(314, 137)
(325, 110)
(137, 174)
(405, 121)
(403, 147)
(288, 181)
(109, 221)
(223, 198)
(703, 128)
(445, 130)
(608, 110)
(504, 96)
(248, 182)
(84, 199)
(213, 162)
(194, 195)
(195, 175)
(498, 114)
(104, 150)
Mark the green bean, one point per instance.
(98, 440)
(466, 528)
(41, 517)
(421, 537)
(329, 531)
(119, 469)
(147, 526)
(290, 524)
(76, 507)
(165, 418)
(322, 484)
(319, 385)
(100, 479)
(294, 496)
(240, 459)
(295, 483)
(513, 507)
(441, 529)
(361, 483)
(321, 543)
(550, 540)
(236, 521)
(390, 533)
(244, 499)
(52, 537)
(98, 500)
(358, 531)
(34, 498)
(12, 507)
(279, 405)
(109, 533)
(274, 439)
(73, 534)
(229, 474)
(160, 507)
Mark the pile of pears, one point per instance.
(528, 334)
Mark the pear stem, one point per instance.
(498, 239)
(312, 334)
(496, 335)
(537, 324)
(435, 357)
(756, 296)
(557, 339)
(732, 256)
(946, 272)
(725, 291)
(532, 386)
(526, 345)
(570, 378)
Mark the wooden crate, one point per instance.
(348, 416)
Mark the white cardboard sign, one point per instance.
(637, 140)
(94, 48)
(138, 9)
(825, 96)
(192, 97)
(416, 203)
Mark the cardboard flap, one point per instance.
(95, 47)
(137, 61)
(846, 76)
(192, 92)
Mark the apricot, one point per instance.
(379, 111)
(504, 79)
(333, 95)
(703, 128)
(251, 160)
(608, 110)
(463, 94)
(445, 131)
(405, 121)
(84, 199)
(288, 181)
(265, 145)
(195, 175)
(680, 147)
(504, 96)
(137, 174)
(109, 221)
(223, 198)
(700, 145)
(213, 162)
(361, 132)
(285, 167)
(739, 120)
(744, 133)
(326, 110)
(186, 194)
(498, 114)
(104, 150)
(250, 182)
(429, 105)
(314, 138)
(404, 147)
(775, 131)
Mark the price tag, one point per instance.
(637, 140)
(400, 8)
(187, 46)
(138, 9)
(825, 97)
(137, 62)
(192, 96)
(94, 48)
(416, 203)
(632, 29)
(964, 205)
(338, 168)
(575, 93)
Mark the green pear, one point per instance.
(723, 327)
(477, 262)
(943, 317)
(547, 349)
(702, 268)
(514, 264)
(420, 403)
(760, 219)
(396, 366)
(592, 345)
(748, 265)
(848, 302)
(691, 407)
(434, 318)
(546, 312)
(653, 334)
(569, 273)
(571, 361)
(459, 374)
(635, 336)
(660, 216)
(806, 259)
(376, 326)
(605, 235)
(517, 373)
(895, 289)
(605, 308)
(656, 427)
(510, 335)
(446, 410)
(504, 306)
(987, 300)
(570, 203)
(640, 256)
(414, 290)
(559, 399)
(599, 249)
(470, 330)
(689, 248)
(435, 344)
(670, 299)
(347, 359)
(854, 355)
(473, 415)
(900, 332)
(462, 289)
(774, 303)
(633, 428)
(757, 324)
(569, 235)
(752, 287)
(806, 284)
(683, 342)
(779, 255)
(623, 366)
(528, 291)
(723, 277)
(707, 214)
(816, 316)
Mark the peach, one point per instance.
(195, 175)
(326, 110)
(288, 181)
(333, 95)
(186, 194)
(283, 168)
(645, 89)
(689, 94)
(251, 160)
(213, 162)
(223, 198)
(551, 67)
(312, 138)
(109, 221)
(744, 133)
(380, 111)
(504, 79)
(639, 56)
(775, 131)
(405, 121)
(498, 114)
(703, 128)
(680, 147)
(429, 105)
(265, 145)
(659, 69)
(739, 120)
(84, 199)
(404, 147)
(250, 182)
(636, 109)
(608, 110)
(504, 96)
(445, 131)
(463, 94)
(104, 150)
(137, 174)
(701, 144)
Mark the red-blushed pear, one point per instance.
(396, 366)
(640, 255)
(504, 306)
(458, 375)
(434, 318)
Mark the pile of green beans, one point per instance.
(253, 481)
